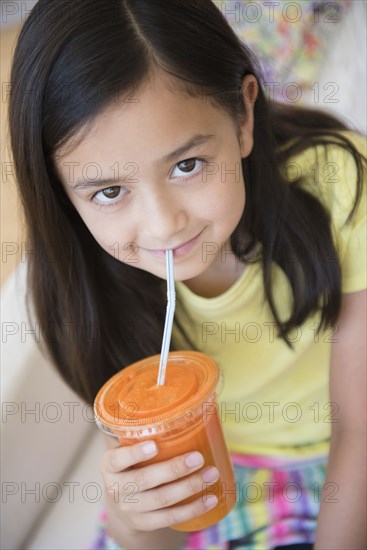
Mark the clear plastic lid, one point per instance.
(131, 399)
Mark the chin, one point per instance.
(186, 273)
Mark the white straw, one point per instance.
(170, 311)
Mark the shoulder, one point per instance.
(328, 167)
(330, 172)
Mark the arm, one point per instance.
(342, 524)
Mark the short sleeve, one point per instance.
(354, 261)
(350, 237)
(330, 173)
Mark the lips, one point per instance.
(186, 243)
(179, 250)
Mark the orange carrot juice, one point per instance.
(181, 416)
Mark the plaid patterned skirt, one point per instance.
(277, 504)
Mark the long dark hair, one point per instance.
(71, 61)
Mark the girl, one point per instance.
(142, 126)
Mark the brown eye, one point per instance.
(187, 165)
(111, 192)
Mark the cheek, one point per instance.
(237, 194)
(108, 230)
(229, 203)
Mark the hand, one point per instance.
(136, 496)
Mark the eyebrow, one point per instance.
(195, 141)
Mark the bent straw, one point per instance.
(170, 311)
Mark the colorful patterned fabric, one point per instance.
(277, 504)
(288, 38)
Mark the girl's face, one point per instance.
(162, 171)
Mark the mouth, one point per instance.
(178, 251)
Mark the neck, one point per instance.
(218, 278)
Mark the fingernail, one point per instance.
(149, 448)
(211, 474)
(194, 459)
(210, 501)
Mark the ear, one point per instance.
(249, 90)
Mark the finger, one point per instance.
(119, 459)
(154, 475)
(166, 517)
(168, 495)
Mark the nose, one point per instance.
(163, 217)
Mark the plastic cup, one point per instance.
(181, 416)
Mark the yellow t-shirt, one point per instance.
(274, 400)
